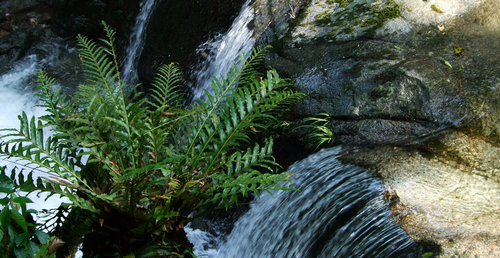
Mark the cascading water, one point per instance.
(339, 211)
(17, 94)
(224, 52)
(136, 41)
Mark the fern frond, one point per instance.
(252, 61)
(166, 91)
(151, 159)
(99, 68)
(245, 109)
(204, 128)
(53, 100)
(319, 133)
(261, 157)
(226, 193)
(28, 143)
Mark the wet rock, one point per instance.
(177, 28)
(23, 26)
(371, 80)
(343, 20)
(420, 79)
(441, 199)
(15, 44)
(12, 48)
(408, 86)
(273, 19)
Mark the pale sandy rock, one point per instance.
(448, 187)
(454, 208)
(423, 12)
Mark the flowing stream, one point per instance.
(136, 41)
(224, 52)
(339, 211)
(17, 94)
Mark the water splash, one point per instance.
(338, 212)
(224, 51)
(17, 93)
(136, 42)
(13, 86)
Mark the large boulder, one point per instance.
(416, 83)
(23, 24)
(394, 78)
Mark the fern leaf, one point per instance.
(166, 90)
(223, 90)
(26, 145)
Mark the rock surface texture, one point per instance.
(416, 81)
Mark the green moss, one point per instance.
(324, 19)
(381, 92)
(348, 30)
(342, 3)
(346, 20)
(436, 9)
(332, 34)
(371, 21)
(302, 12)
(390, 12)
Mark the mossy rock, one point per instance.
(340, 20)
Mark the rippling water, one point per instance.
(17, 94)
(224, 51)
(339, 211)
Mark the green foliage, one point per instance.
(138, 167)
(342, 3)
(427, 255)
(18, 234)
(319, 134)
(324, 18)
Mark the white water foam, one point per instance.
(203, 242)
(338, 212)
(136, 41)
(16, 94)
(225, 51)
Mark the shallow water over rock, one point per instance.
(338, 211)
(425, 87)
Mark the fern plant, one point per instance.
(135, 167)
(19, 236)
(318, 132)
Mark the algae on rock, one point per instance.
(341, 20)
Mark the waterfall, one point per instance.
(13, 94)
(136, 42)
(224, 51)
(339, 211)
(17, 94)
